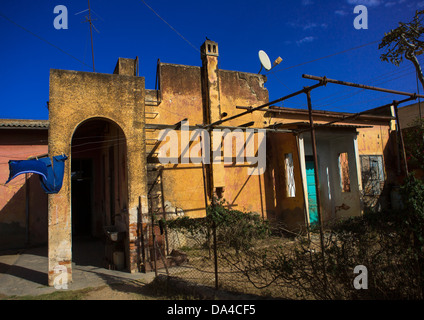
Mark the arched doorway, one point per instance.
(99, 190)
(77, 102)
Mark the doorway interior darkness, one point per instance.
(82, 196)
(99, 193)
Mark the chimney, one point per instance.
(127, 67)
(212, 111)
(211, 97)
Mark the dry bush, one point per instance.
(389, 244)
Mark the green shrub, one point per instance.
(234, 228)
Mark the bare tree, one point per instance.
(405, 42)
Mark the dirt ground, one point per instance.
(161, 288)
(117, 292)
(122, 291)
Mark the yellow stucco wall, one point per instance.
(183, 97)
(74, 98)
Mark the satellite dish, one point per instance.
(265, 62)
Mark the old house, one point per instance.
(356, 163)
(114, 131)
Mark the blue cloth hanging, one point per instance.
(18, 167)
(53, 182)
(50, 173)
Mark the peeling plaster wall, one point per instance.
(243, 89)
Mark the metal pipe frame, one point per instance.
(361, 86)
(252, 109)
(356, 115)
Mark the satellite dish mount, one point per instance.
(266, 62)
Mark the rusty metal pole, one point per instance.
(213, 203)
(402, 144)
(215, 249)
(163, 210)
(153, 236)
(362, 86)
(252, 109)
(140, 235)
(317, 188)
(354, 116)
(205, 192)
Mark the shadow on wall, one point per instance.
(13, 217)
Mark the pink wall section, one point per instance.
(20, 145)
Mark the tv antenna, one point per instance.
(266, 62)
(89, 19)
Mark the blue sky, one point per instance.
(299, 31)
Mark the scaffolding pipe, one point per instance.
(251, 109)
(316, 174)
(326, 114)
(152, 126)
(362, 86)
(354, 116)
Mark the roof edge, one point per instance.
(23, 124)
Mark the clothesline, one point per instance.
(119, 140)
